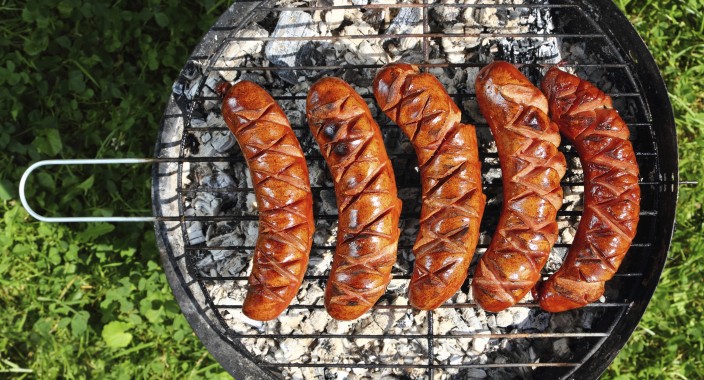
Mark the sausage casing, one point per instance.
(282, 190)
(365, 188)
(585, 116)
(448, 158)
(532, 168)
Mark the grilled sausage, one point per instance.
(282, 190)
(585, 115)
(365, 187)
(532, 168)
(448, 158)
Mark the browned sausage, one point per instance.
(532, 168)
(282, 190)
(365, 187)
(587, 118)
(448, 158)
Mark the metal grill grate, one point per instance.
(606, 63)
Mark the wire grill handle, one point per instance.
(82, 219)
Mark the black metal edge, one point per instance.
(632, 47)
(232, 358)
(226, 355)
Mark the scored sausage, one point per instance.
(282, 190)
(448, 159)
(365, 188)
(532, 168)
(585, 115)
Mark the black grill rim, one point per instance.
(630, 44)
(623, 38)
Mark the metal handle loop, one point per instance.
(98, 161)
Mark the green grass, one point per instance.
(87, 79)
(669, 342)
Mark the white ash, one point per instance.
(407, 21)
(474, 373)
(293, 349)
(216, 144)
(561, 348)
(572, 201)
(471, 107)
(207, 204)
(223, 258)
(454, 48)
(192, 91)
(357, 51)
(328, 235)
(520, 315)
(504, 318)
(194, 231)
(283, 52)
(310, 294)
(567, 234)
(334, 17)
(213, 120)
(446, 14)
(235, 53)
(453, 78)
(186, 168)
(329, 204)
(291, 24)
(315, 322)
(493, 175)
(479, 344)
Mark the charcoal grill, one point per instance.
(616, 59)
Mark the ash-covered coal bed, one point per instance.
(352, 43)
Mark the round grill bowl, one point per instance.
(195, 202)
